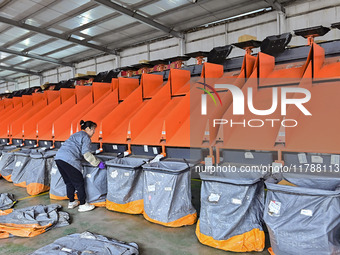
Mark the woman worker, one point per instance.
(68, 160)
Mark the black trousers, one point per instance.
(73, 179)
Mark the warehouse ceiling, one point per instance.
(37, 35)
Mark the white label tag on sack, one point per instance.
(151, 188)
(155, 151)
(17, 164)
(236, 201)
(248, 155)
(214, 197)
(146, 148)
(317, 159)
(66, 250)
(54, 170)
(88, 176)
(274, 208)
(335, 159)
(306, 212)
(126, 174)
(302, 158)
(167, 188)
(114, 174)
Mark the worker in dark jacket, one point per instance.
(68, 160)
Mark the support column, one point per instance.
(182, 46)
(118, 62)
(281, 22)
(73, 71)
(148, 51)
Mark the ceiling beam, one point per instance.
(141, 18)
(6, 79)
(56, 35)
(42, 58)
(110, 17)
(8, 68)
(276, 5)
(4, 3)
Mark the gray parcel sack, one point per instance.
(96, 182)
(232, 206)
(6, 165)
(125, 185)
(21, 158)
(167, 194)
(87, 243)
(38, 171)
(304, 219)
(58, 187)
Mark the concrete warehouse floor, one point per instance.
(152, 239)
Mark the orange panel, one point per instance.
(202, 125)
(17, 124)
(8, 102)
(212, 70)
(12, 115)
(17, 101)
(150, 82)
(100, 89)
(30, 125)
(181, 137)
(115, 125)
(166, 123)
(99, 111)
(51, 95)
(62, 124)
(27, 100)
(45, 124)
(66, 94)
(242, 136)
(37, 97)
(126, 86)
(319, 132)
(82, 91)
(122, 87)
(151, 118)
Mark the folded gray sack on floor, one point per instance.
(88, 243)
(7, 200)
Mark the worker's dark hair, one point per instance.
(87, 124)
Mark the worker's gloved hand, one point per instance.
(101, 165)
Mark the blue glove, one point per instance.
(101, 165)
